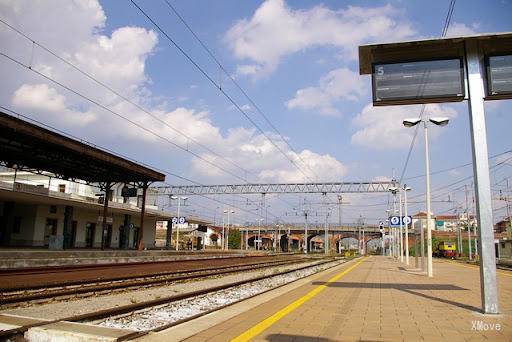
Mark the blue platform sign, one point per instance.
(394, 221)
(180, 220)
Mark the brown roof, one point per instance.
(30, 147)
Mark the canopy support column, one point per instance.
(140, 242)
(108, 185)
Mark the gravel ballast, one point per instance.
(157, 316)
(78, 306)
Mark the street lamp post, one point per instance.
(401, 238)
(390, 238)
(396, 241)
(326, 231)
(247, 238)
(412, 123)
(223, 233)
(178, 223)
(405, 189)
(227, 235)
(305, 232)
(258, 246)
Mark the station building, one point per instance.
(53, 189)
(35, 207)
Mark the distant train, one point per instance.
(446, 249)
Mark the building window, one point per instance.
(53, 209)
(62, 187)
(16, 226)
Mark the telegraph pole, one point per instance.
(340, 200)
(470, 252)
(509, 230)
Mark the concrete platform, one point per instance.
(373, 299)
(23, 258)
(76, 332)
(10, 322)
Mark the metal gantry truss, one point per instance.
(277, 188)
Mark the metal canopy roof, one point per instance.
(31, 147)
(429, 49)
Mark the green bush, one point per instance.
(234, 239)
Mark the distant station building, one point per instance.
(503, 225)
(193, 233)
(53, 189)
(443, 223)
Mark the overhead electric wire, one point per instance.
(238, 86)
(455, 167)
(219, 87)
(167, 172)
(91, 77)
(116, 114)
(460, 188)
(448, 18)
(411, 146)
(138, 106)
(443, 34)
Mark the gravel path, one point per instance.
(72, 307)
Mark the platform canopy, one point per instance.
(30, 147)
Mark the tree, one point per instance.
(234, 239)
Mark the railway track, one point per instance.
(77, 288)
(71, 275)
(132, 309)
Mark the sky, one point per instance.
(163, 100)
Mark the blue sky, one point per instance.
(296, 59)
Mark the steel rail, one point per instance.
(95, 267)
(100, 314)
(172, 277)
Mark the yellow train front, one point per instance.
(446, 249)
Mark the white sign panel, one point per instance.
(31, 189)
(180, 220)
(395, 220)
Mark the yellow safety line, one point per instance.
(268, 322)
(475, 267)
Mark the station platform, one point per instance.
(369, 299)
(11, 258)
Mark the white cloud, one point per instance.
(460, 29)
(254, 152)
(48, 101)
(381, 127)
(276, 30)
(119, 60)
(381, 179)
(74, 32)
(338, 84)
